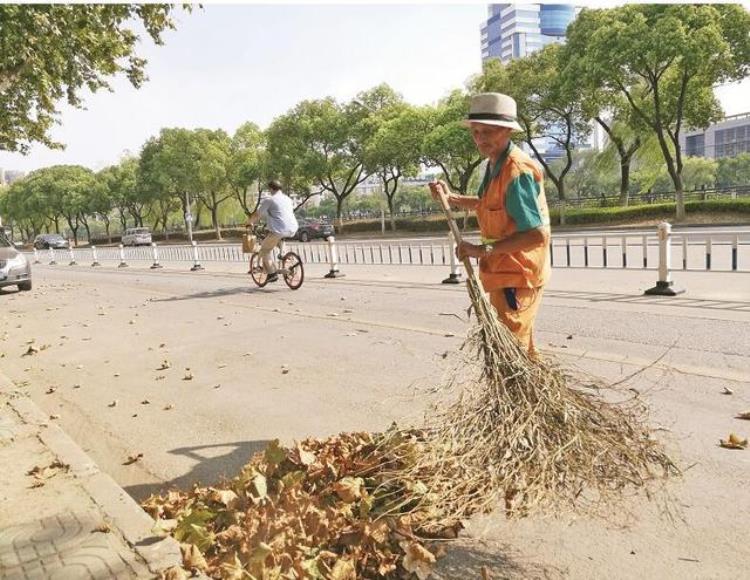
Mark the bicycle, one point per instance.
(289, 265)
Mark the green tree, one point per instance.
(548, 107)
(212, 181)
(247, 162)
(318, 146)
(168, 167)
(51, 51)
(447, 143)
(733, 170)
(664, 59)
(393, 147)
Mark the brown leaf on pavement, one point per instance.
(174, 573)
(113, 403)
(31, 350)
(745, 415)
(168, 407)
(50, 390)
(165, 364)
(733, 442)
(727, 391)
(133, 458)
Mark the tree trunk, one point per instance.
(215, 220)
(339, 220)
(624, 182)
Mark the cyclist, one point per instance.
(277, 211)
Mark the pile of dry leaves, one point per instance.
(326, 508)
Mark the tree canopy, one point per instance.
(50, 52)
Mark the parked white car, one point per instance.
(136, 237)
(15, 269)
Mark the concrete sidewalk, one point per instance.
(60, 516)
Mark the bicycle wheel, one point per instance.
(257, 271)
(294, 272)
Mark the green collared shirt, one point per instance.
(521, 196)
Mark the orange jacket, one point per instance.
(524, 269)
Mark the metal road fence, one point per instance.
(717, 251)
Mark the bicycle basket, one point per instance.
(248, 243)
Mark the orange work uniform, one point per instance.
(512, 200)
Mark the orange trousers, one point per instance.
(521, 321)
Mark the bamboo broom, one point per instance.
(518, 432)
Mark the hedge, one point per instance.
(584, 216)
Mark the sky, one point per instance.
(228, 64)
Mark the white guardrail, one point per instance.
(716, 251)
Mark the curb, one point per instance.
(135, 525)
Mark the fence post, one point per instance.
(72, 257)
(333, 255)
(123, 263)
(52, 261)
(95, 263)
(156, 263)
(453, 277)
(36, 256)
(664, 283)
(196, 263)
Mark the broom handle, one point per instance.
(454, 230)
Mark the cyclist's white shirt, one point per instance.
(278, 213)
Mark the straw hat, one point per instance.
(493, 109)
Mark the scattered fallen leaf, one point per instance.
(31, 350)
(745, 415)
(145, 402)
(165, 364)
(54, 417)
(133, 458)
(188, 376)
(113, 403)
(192, 557)
(727, 391)
(50, 390)
(168, 407)
(103, 528)
(733, 442)
(418, 559)
(77, 386)
(349, 489)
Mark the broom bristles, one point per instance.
(519, 435)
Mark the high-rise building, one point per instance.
(515, 30)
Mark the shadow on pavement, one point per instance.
(221, 292)
(680, 302)
(465, 559)
(213, 463)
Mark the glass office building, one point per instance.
(515, 30)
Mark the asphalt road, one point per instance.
(248, 365)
